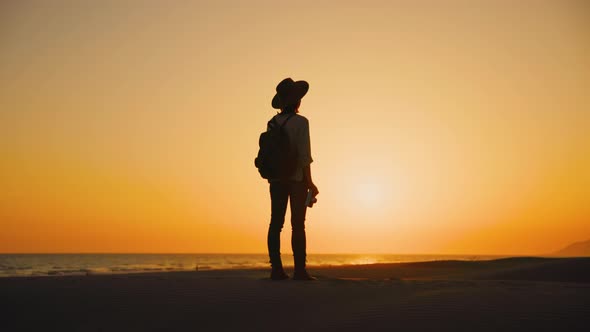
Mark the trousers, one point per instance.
(280, 194)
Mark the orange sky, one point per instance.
(131, 126)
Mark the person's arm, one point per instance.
(309, 181)
(304, 152)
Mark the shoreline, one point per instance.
(519, 267)
(81, 264)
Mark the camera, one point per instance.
(310, 200)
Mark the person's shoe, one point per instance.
(278, 274)
(303, 275)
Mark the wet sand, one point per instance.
(515, 294)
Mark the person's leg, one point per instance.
(298, 193)
(279, 195)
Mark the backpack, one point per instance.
(276, 159)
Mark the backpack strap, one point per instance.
(273, 122)
(286, 120)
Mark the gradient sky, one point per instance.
(437, 126)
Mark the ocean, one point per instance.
(12, 265)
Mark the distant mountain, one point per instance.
(575, 249)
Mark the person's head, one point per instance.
(289, 94)
(293, 108)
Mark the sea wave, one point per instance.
(17, 265)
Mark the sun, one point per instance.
(370, 195)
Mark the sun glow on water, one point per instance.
(364, 261)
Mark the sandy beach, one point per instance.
(515, 294)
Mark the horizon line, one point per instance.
(261, 253)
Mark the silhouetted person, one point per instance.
(295, 186)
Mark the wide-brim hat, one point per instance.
(289, 92)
